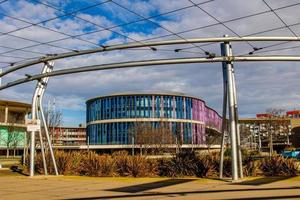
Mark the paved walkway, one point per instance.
(79, 188)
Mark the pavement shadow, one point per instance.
(268, 197)
(171, 194)
(150, 186)
(16, 169)
(262, 181)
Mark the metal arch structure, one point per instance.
(226, 59)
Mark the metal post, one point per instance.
(225, 96)
(49, 69)
(34, 114)
(32, 134)
(232, 117)
(88, 143)
(239, 150)
(259, 139)
(40, 135)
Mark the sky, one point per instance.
(70, 25)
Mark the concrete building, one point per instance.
(111, 118)
(12, 125)
(284, 130)
(68, 136)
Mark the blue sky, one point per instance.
(260, 85)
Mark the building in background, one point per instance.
(12, 126)
(112, 119)
(68, 136)
(268, 131)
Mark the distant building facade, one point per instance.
(68, 136)
(12, 125)
(284, 130)
(110, 118)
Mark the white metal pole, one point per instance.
(32, 134)
(224, 114)
(34, 118)
(41, 141)
(239, 150)
(49, 69)
(234, 164)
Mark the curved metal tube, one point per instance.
(46, 125)
(145, 44)
(149, 63)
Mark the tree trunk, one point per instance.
(7, 152)
(14, 152)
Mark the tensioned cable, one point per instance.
(280, 49)
(18, 57)
(53, 7)
(31, 40)
(27, 51)
(50, 29)
(285, 25)
(88, 21)
(272, 45)
(35, 24)
(104, 29)
(17, 62)
(243, 17)
(226, 21)
(173, 33)
(57, 17)
(163, 36)
(219, 21)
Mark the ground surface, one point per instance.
(16, 186)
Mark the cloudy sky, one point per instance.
(33, 28)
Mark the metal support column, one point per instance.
(232, 119)
(50, 66)
(36, 107)
(236, 116)
(224, 114)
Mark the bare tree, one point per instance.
(246, 134)
(162, 138)
(12, 139)
(212, 135)
(276, 126)
(54, 120)
(148, 137)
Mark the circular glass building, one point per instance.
(111, 118)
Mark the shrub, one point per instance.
(207, 166)
(279, 166)
(136, 166)
(185, 163)
(93, 164)
(251, 167)
(165, 167)
(121, 159)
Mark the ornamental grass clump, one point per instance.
(134, 166)
(207, 166)
(279, 166)
(93, 164)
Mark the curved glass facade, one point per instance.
(110, 118)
